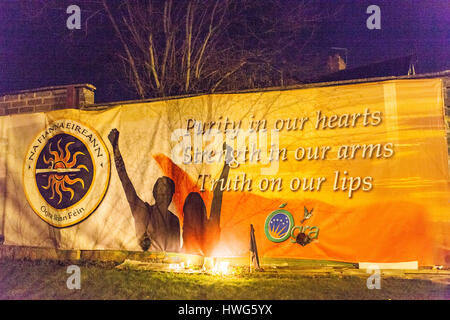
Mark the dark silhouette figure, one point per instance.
(157, 228)
(200, 234)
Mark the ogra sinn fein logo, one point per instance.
(66, 173)
(279, 227)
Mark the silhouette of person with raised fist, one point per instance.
(157, 228)
(200, 234)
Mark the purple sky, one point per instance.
(31, 57)
(407, 26)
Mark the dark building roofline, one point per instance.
(395, 67)
(441, 74)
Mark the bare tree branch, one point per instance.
(183, 47)
(140, 89)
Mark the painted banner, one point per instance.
(350, 173)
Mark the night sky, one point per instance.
(41, 51)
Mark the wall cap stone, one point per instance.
(51, 88)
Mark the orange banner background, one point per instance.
(404, 216)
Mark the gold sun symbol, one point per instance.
(59, 170)
(277, 232)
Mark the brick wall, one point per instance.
(46, 99)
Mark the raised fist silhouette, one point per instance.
(113, 137)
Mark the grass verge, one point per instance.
(47, 280)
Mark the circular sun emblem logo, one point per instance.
(278, 225)
(66, 173)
